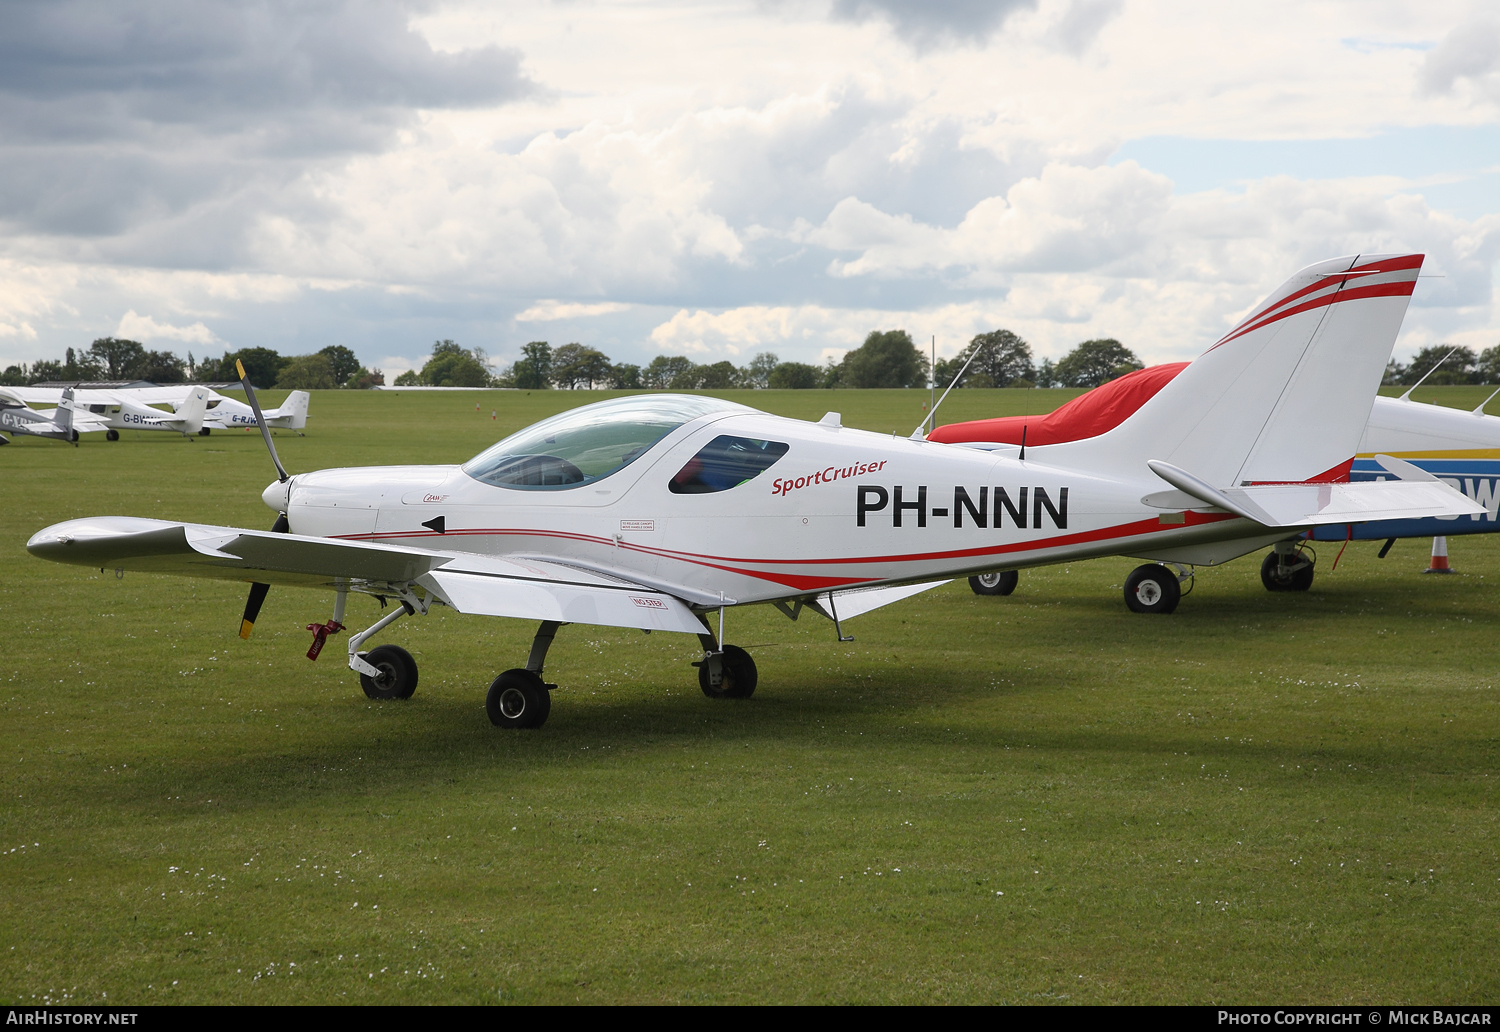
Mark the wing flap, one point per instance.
(571, 600)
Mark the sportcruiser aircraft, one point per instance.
(659, 511)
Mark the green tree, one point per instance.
(158, 367)
(1095, 362)
(625, 377)
(307, 373)
(1489, 365)
(363, 379)
(718, 377)
(885, 359)
(577, 367)
(665, 370)
(1003, 359)
(410, 378)
(116, 355)
(262, 364)
(794, 376)
(82, 366)
(342, 361)
(14, 376)
(454, 366)
(758, 373)
(533, 372)
(1459, 368)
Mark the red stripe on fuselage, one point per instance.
(806, 582)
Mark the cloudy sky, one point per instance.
(721, 178)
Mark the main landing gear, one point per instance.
(111, 435)
(1288, 568)
(1155, 589)
(996, 582)
(518, 698)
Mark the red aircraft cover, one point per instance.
(1088, 415)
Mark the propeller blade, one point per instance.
(252, 608)
(261, 422)
(257, 590)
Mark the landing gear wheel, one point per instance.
(1152, 589)
(398, 673)
(999, 582)
(1277, 575)
(73, 436)
(111, 435)
(518, 699)
(739, 678)
(204, 431)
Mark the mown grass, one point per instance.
(1026, 799)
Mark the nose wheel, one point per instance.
(396, 673)
(737, 676)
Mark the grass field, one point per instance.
(1041, 798)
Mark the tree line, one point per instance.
(888, 358)
(1463, 366)
(113, 358)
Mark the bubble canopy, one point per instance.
(587, 444)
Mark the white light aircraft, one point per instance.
(131, 408)
(658, 511)
(19, 418)
(114, 410)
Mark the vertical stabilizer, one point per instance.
(64, 415)
(292, 415)
(1286, 394)
(191, 412)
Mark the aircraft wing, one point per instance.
(532, 589)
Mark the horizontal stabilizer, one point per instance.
(1299, 505)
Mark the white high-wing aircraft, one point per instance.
(131, 408)
(114, 410)
(229, 414)
(655, 511)
(18, 418)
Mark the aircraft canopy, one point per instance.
(587, 444)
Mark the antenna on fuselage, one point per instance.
(932, 415)
(1023, 443)
(1427, 374)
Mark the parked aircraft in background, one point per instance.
(657, 511)
(131, 408)
(1460, 448)
(229, 414)
(74, 416)
(17, 417)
